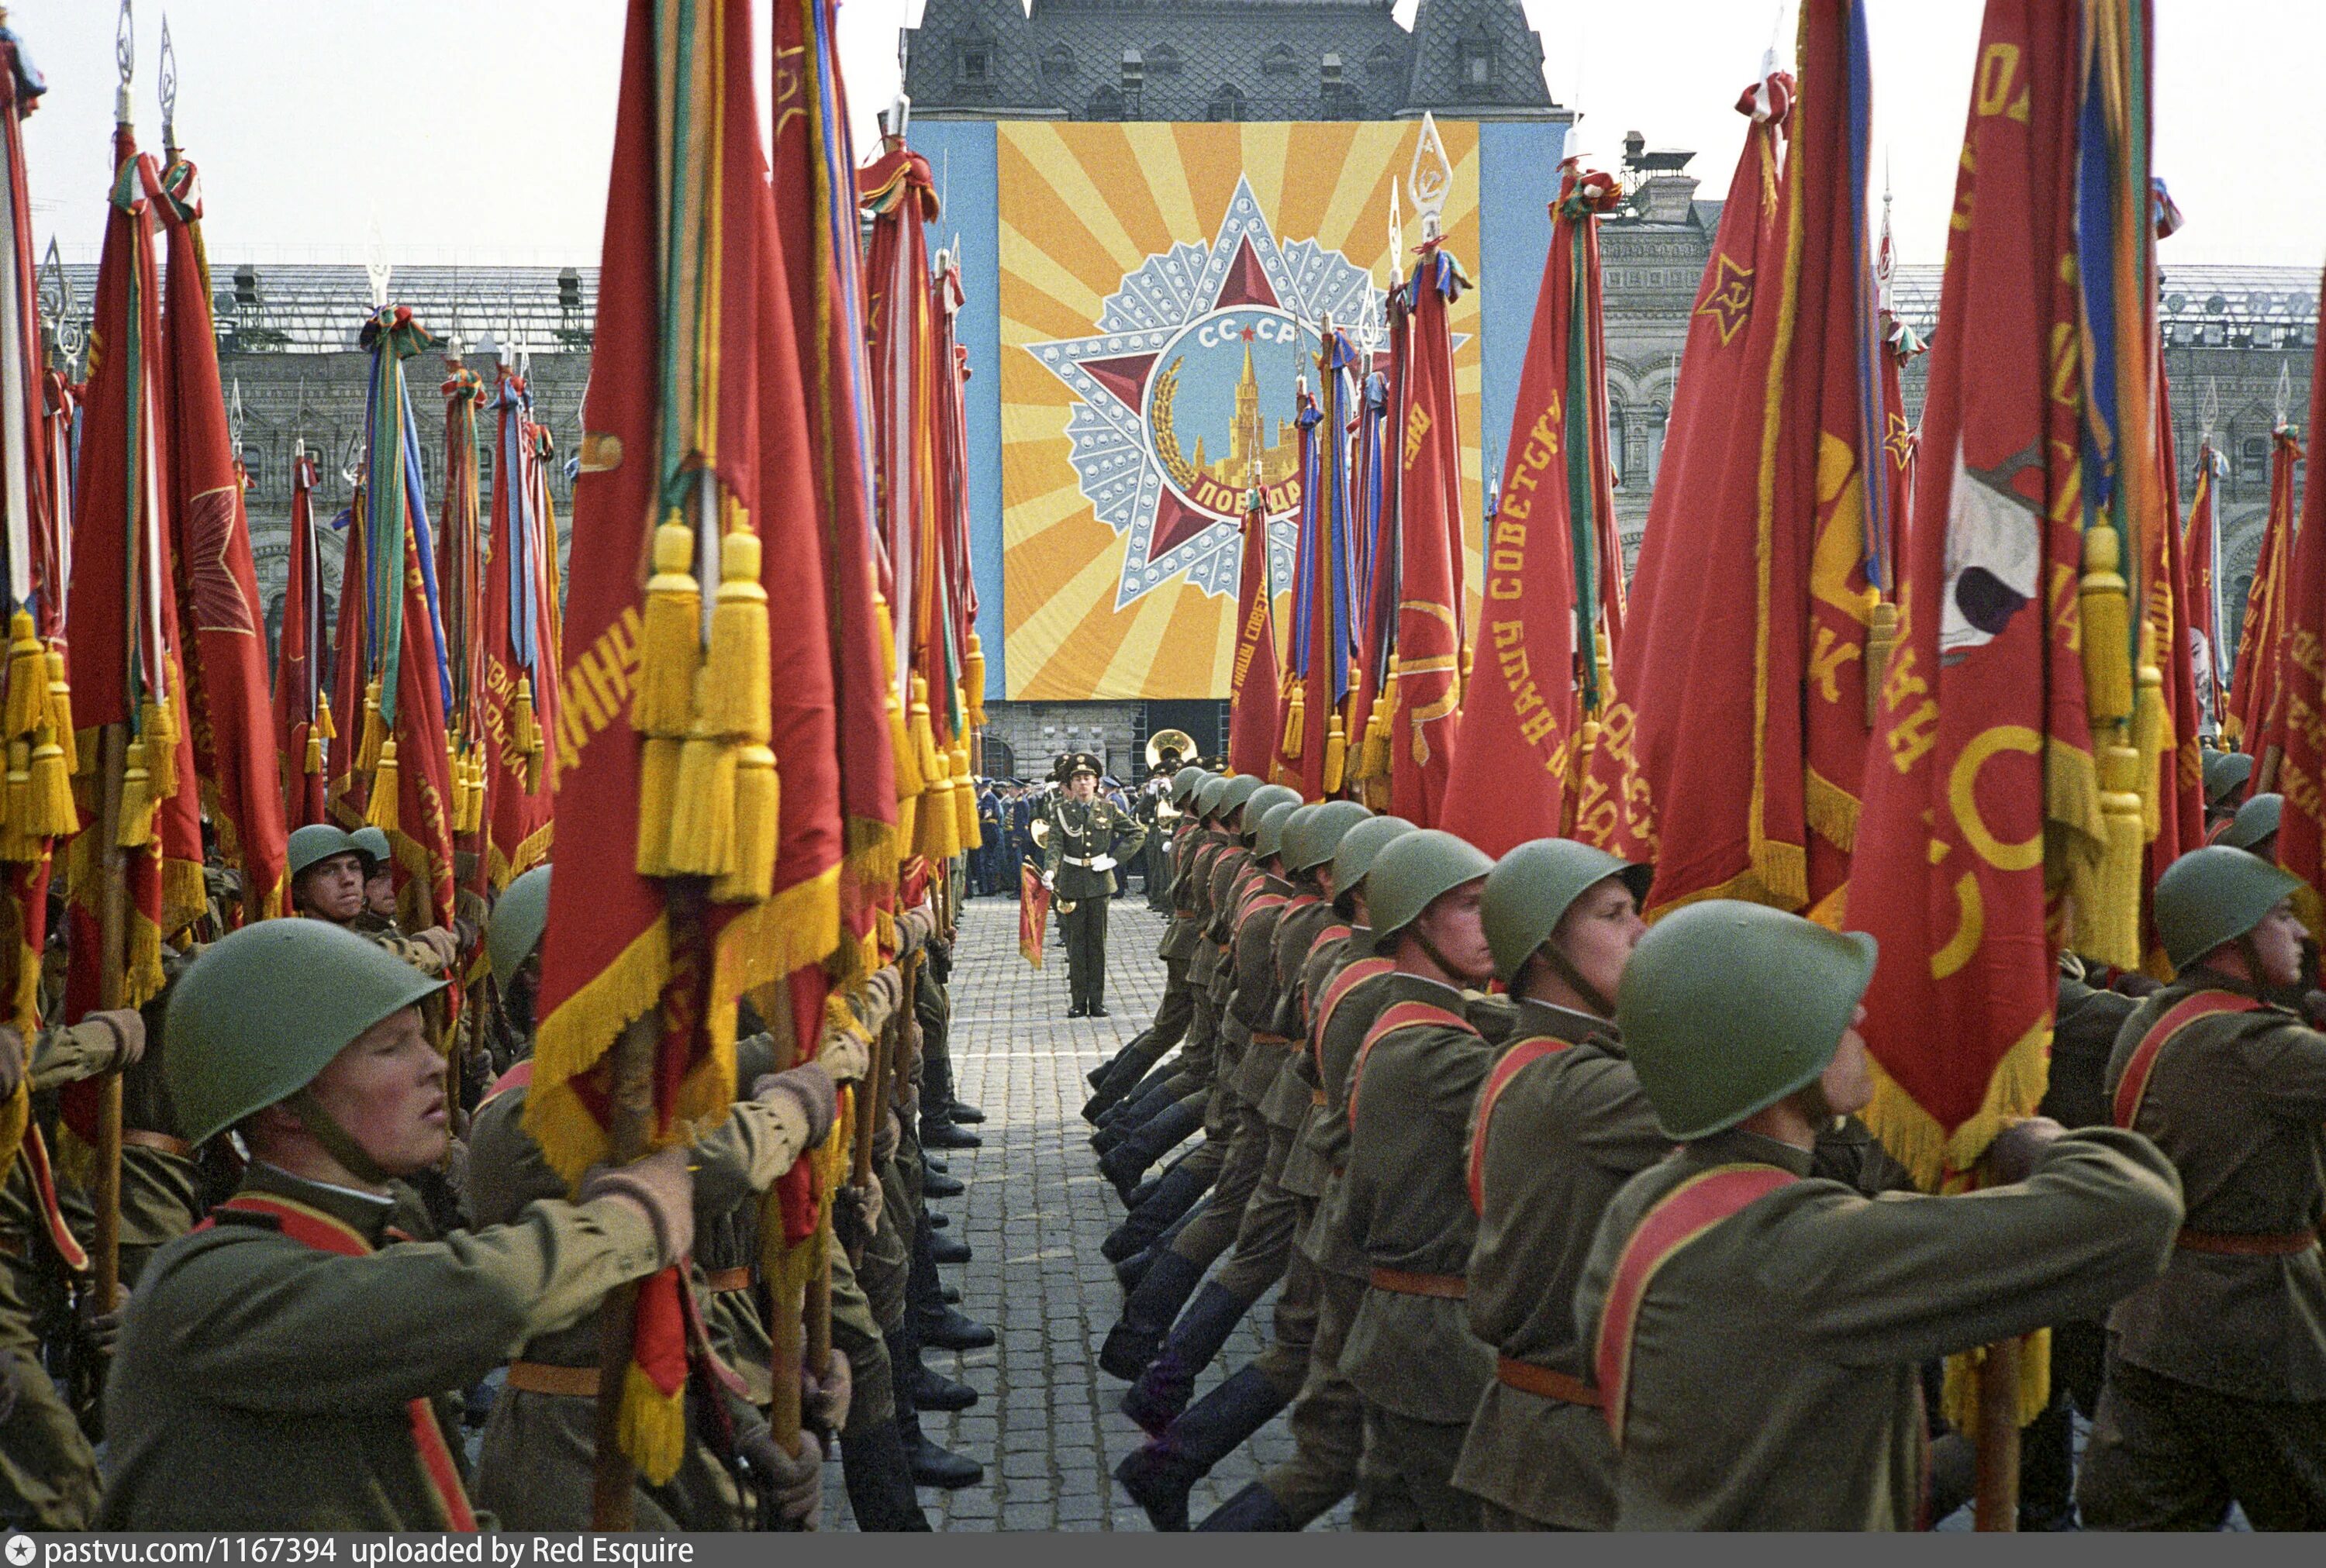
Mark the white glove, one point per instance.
(1103, 863)
(1049, 881)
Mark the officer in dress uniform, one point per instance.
(1088, 837)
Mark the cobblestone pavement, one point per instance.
(1046, 1425)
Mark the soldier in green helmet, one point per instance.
(2253, 829)
(278, 1369)
(1088, 838)
(1115, 1078)
(2216, 1390)
(2228, 775)
(1560, 1124)
(1756, 1333)
(331, 871)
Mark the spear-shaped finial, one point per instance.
(2284, 394)
(124, 59)
(234, 416)
(1396, 235)
(2209, 413)
(167, 78)
(1431, 178)
(376, 264)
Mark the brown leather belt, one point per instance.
(1317, 1097)
(541, 1377)
(139, 1138)
(724, 1280)
(1528, 1378)
(2242, 1244)
(1258, 1038)
(1444, 1287)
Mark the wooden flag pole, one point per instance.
(113, 923)
(613, 1502)
(1997, 1489)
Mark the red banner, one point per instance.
(1425, 729)
(2253, 691)
(2199, 548)
(2175, 823)
(1253, 721)
(519, 699)
(300, 703)
(2301, 731)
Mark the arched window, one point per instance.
(1106, 103)
(1615, 443)
(1277, 62)
(1230, 104)
(1657, 418)
(1058, 61)
(1381, 62)
(1163, 61)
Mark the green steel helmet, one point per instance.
(1239, 794)
(2256, 819)
(1209, 794)
(1727, 1008)
(2224, 771)
(1184, 783)
(1533, 886)
(257, 1016)
(1416, 870)
(1315, 838)
(1268, 839)
(315, 843)
(1353, 857)
(2214, 895)
(520, 916)
(1263, 799)
(370, 841)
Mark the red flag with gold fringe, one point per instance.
(2253, 691)
(303, 710)
(2174, 823)
(1253, 721)
(1424, 728)
(716, 759)
(518, 694)
(2300, 735)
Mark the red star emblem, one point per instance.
(218, 602)
(1247, 334)
(1729, 300)
(1898, 440)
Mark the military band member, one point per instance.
(1089, 837)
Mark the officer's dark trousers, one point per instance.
(2167, 1455)
(1084, 929)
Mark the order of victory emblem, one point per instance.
(1187, 396)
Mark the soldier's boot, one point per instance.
(1127, 1071)
(1166, 1198)
(1132, 1269)
(1139, 1107)
(879, 1476)
(1128, 1161)
(1251, 1511)
(1163, 1390)
(1160, 1475)
(930, 1389)
(1148, 1313)
(932, 1463)
(937, 1184)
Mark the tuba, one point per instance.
(1164, 740)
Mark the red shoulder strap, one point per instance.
(1518, 1058)
(2134, 1085)
(517, 1077)
(1399, 1015)
(1685, 1213)
(312, 1227)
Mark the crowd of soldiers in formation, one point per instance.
(359, 1297)
(1605, 1245)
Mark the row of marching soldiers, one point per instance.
(1575, 1226)
(357, 1296)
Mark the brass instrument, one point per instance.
(1163, 741)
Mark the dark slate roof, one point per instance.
(1067, 58)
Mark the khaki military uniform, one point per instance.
(1774, 1374)
(1562, 1127)
(1088, 838)
(2216, 1389)
(264, 1385)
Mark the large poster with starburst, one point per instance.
(1162, 291)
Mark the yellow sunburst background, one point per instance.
(1084, 205)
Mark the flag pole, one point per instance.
(112, 956)
(613, 1504)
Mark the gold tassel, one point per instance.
(652, 1425)
(925, 745)
(374, 731)
(1469, 656)
(2107, 633)
(384, 808)
(1336, 754)
(314, 749)
(159, 728)
(909, 782)
(670, 642)
(325, 725)
(53, 815)
(2113, 930)
(964, 799)
(1295, 723)
(524, 729)
(702, 808)
(60, 709)
(1881, 641)
(2152, 734)
(136, 825)
(28, 677)
(972, 680)
(18, 844)
(733, 694)
(658, 790)
(759, 820)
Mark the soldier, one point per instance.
(1560, 1124)
(329, 871)
(1115, 1077)
(1404, 1201)
(278, 1369)
(2253, 829)
(1758, 1332)
(2227, 775)
(1088, 837)
(2216, 1390)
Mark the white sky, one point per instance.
(479, 130)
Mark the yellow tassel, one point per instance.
(1294, 724)
(314, 749)
(964, 799)
(1336, 754)
(972, 680)
(909, 782)
(670, 642)
(136, 826)
(733, 693)
(758, 822)
(524, 729)
(374, 731)
(28, 677)
(384, 810)
(2152, 732)
(925, 745)
(2112, 929)
(1469, 654)
(934, 837)
(18, 844)
(658, 792)
(2106, 634)
(702, 808)
(53, 815)
(325, 725)
(652, 1429)
(909, 817)
(60, 709)
(1881, 641)
(159, 729)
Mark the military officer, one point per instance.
(1088, 838)
(278, 1369)
(2217, 1388)
(1757, 1332)
(1560, 1124)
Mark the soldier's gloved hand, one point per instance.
(128, 1027)
(2017, 1148)
(12, 1061)
(444, 943)
(860, 1208)
(1049, 881)
(885, 1136)
(809, 1087)
(101, 1330)
(795, 1485)
(661, 1187)
(824, 1401)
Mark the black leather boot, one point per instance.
(1251, 1511)
(1158, 1476)
(1163, 1390)
(1147, 1315)
(879, 1476)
